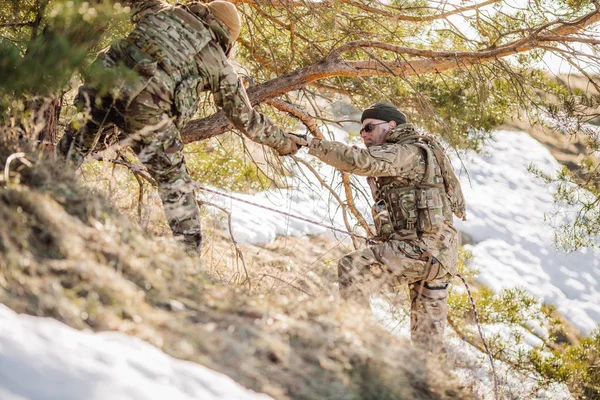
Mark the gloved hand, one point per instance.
(289, 150)
(300, 140)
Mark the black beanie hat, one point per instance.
(384, 112)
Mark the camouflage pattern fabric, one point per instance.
(399, 259)
(397, 262)
(176, 54)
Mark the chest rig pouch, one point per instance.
(187, 95)
(132, 70)
(413, 209)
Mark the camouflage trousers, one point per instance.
(395, 262)
(156, 141)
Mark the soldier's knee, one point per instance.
(164, 158)
(429, 291)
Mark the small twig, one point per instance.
(134, 168)
(138, 178)
(352, 206)
(287, 283)
(296, 112)
(140, 196)
(238, 252)
(333, 193)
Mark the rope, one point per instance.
(487, 349)
(368, 240)
(203, 188)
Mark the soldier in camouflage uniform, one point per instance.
(415, 192)
(177, 52)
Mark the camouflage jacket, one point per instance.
(187, 46)
(405, 178)
(413, 204)
(389, 159)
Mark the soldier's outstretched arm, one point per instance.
(230, 95)
(382, 160)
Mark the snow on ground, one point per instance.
(506, 206)
(472, 367)
(514, 247)
(43, 359)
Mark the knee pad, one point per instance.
(431, 291)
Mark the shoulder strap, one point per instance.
(429, 171)
(451, 182)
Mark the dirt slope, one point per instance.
(66, 253)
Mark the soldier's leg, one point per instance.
(367, 270)
(158, 145)
(406, 261)
(80, 138)
(428, 312)
(354, 270)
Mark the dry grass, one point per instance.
(68, 253)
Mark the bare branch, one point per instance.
(333, 193)
(238, 252)
(17, 24)
(306, 119)
(566, 39)
(134, 168)
(287, 283)
(352, 206)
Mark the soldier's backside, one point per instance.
(177, 52)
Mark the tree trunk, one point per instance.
(43, 123)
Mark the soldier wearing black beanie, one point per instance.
(415, 194)
(384, 112)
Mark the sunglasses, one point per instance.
(369, 127)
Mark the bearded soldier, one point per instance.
(177, 52)
(415, 192)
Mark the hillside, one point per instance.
(71, 249)
(66, 253)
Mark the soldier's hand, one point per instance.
(289, 150)
(300, 140)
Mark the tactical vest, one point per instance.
(171, 39)
(408, 208)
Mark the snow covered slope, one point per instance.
(43, 359)
(514, 246)
(506, 206)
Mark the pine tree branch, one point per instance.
(306, 119)
(393, 14)
(429, 62)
